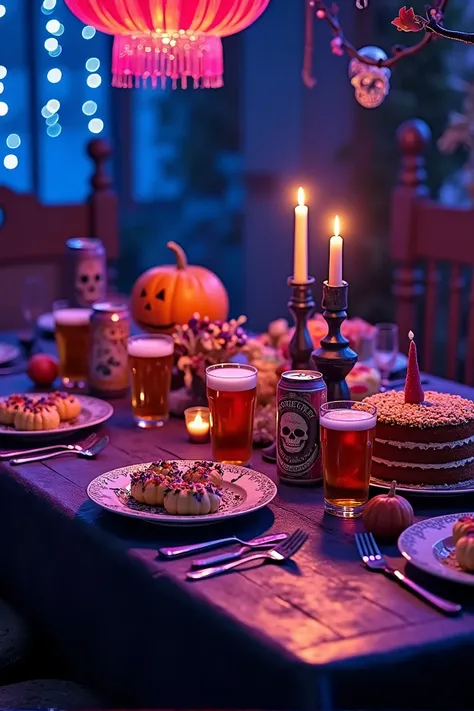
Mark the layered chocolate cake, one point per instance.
(431, 442)
(422, 438)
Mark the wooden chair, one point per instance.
(33, 236)
(432, 247)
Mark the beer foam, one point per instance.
(150, 348)
(348, 420)
(231, 379)
(72, 317)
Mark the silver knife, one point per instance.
(86, 453)
(179, 551)
(263, 542)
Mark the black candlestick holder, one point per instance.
(301, 306)
(335, 359)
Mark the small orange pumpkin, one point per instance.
(167, 296)
(465, 552)
(387, 515)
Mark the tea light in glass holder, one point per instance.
(197, 424)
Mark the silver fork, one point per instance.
(374, 560)
(279, 554)
(87, 453)
(88, 442)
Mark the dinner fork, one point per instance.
(87, 453)
(279, 554)
(374, 560)
(88, 442)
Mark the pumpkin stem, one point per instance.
(393, 487)
(181, 259)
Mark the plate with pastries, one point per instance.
(48, 415)
(182, 492)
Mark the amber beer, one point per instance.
(231, 392)
(150, 361)
(72, 340)
(347, 436)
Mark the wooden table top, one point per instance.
(324, 610)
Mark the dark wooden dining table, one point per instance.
(319, 633)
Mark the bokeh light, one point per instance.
(53, 105)
(49, 4)
(3, 71)
(54, 131)
(96, 125)
(92, 64)
(53, 26)
(56, 52)
(51, 120)
(51, 44)
(89, 108)
(88, 32)
(3, 108)
(94, 80)
(54, 75)
(10, 161)
(3, 10)
(13, 141)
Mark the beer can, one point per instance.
(300, 395)
(87, 271)
(108, 361)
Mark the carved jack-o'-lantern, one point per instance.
(167, 296)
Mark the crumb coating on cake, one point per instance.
(438, 410)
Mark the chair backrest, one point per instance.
(432, 246)
(33, 236)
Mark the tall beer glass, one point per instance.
(150, 360)
(347, 435)
(71, 327)
(231, 391)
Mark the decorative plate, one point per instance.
(94, 411)
(8, 353)
(461, 487)
(244, 491)
(429, 546)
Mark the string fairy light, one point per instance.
(93, 81)
(13, 141)
(55, 29)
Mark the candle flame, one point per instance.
(300, 197)
(337, 226)
(411, 335)
(198, 419)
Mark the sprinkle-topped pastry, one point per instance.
(422, 438)
(148, 486)
(68, 406)
(35, 416)
(9, 408)
(191, 499)
(204, 473)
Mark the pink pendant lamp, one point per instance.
(157, 40)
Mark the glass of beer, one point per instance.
(231, 392)
(347, 436)
(150, 359)
(71, 327)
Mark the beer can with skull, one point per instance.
(87, 270)
(300, 395)
(108, 362)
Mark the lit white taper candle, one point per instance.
(335, 256)
(300, 265)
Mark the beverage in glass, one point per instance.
(347, 436)
(150, 359)
(231, 392)
(385, 350)
(71, 326)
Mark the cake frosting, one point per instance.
(431, 442)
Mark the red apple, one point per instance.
(42, 369)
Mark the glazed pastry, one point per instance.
(36, 416)
(9, 408)
(189, 499)
(465, 552)
(149, 486)
(67, 405)
(463, 525)
(204, 473)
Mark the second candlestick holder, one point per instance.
(335, 359)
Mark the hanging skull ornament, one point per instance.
(293, 431)
(371, 84)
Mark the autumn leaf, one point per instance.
(407, 21)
